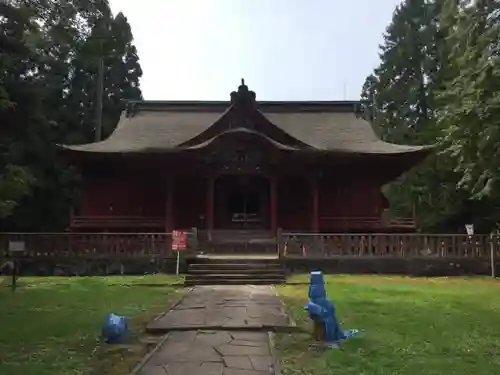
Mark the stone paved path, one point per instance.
(212, 353)
(236, 341)
(225, 307)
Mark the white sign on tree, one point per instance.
(469, 228)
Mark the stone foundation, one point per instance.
(42, 266)
(425, 266)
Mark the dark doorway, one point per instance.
(242, 202)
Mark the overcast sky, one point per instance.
(284, 49)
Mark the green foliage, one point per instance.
(436, 84)
(15, 183)
(401, 96)
(48, 78)
(471, 104)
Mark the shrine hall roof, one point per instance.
(154, 126)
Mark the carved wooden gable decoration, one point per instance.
(243, 120)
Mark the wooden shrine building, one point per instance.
(239, 165)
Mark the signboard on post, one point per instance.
(179, 243)
(16, 247)
(469, 228)
(179, 240)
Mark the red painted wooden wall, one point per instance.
(123, 195)
(145, 194)
(294, 206)
(190, 202)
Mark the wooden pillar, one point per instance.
(315, 206)
(274, 203)
(71, 215)
(169, 206)
(210, 205)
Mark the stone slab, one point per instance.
(225, 307)
(211, 353)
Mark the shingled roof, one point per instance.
(152, 126)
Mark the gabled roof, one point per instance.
(153, 127)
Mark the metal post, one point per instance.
(279, 243)
(492, 256)
(177, 266)
(14, 275)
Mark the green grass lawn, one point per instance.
(411, 326)
(52, 325)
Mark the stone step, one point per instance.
(228, 271)
(233, 266)
(214, 279)
(240, 275)
(245, 281)
(206, 271)
(234, 259)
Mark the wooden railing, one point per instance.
(387, 245)
(117, 222)
(92, 245)
(292, 245)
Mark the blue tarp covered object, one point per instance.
(321, 309)
(114, 329)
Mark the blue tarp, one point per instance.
(114, 329)
(321, 309)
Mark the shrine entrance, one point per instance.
(242, 202)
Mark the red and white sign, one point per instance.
(179, 240)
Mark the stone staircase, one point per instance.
(221, 271)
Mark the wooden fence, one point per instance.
(290, 245)
(139, 253)
(88, 245)
(311, 245)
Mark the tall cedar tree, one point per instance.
(20, 100)
(401, 95)
(469, 114)
(47, 96)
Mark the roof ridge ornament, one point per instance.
(243, 96)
